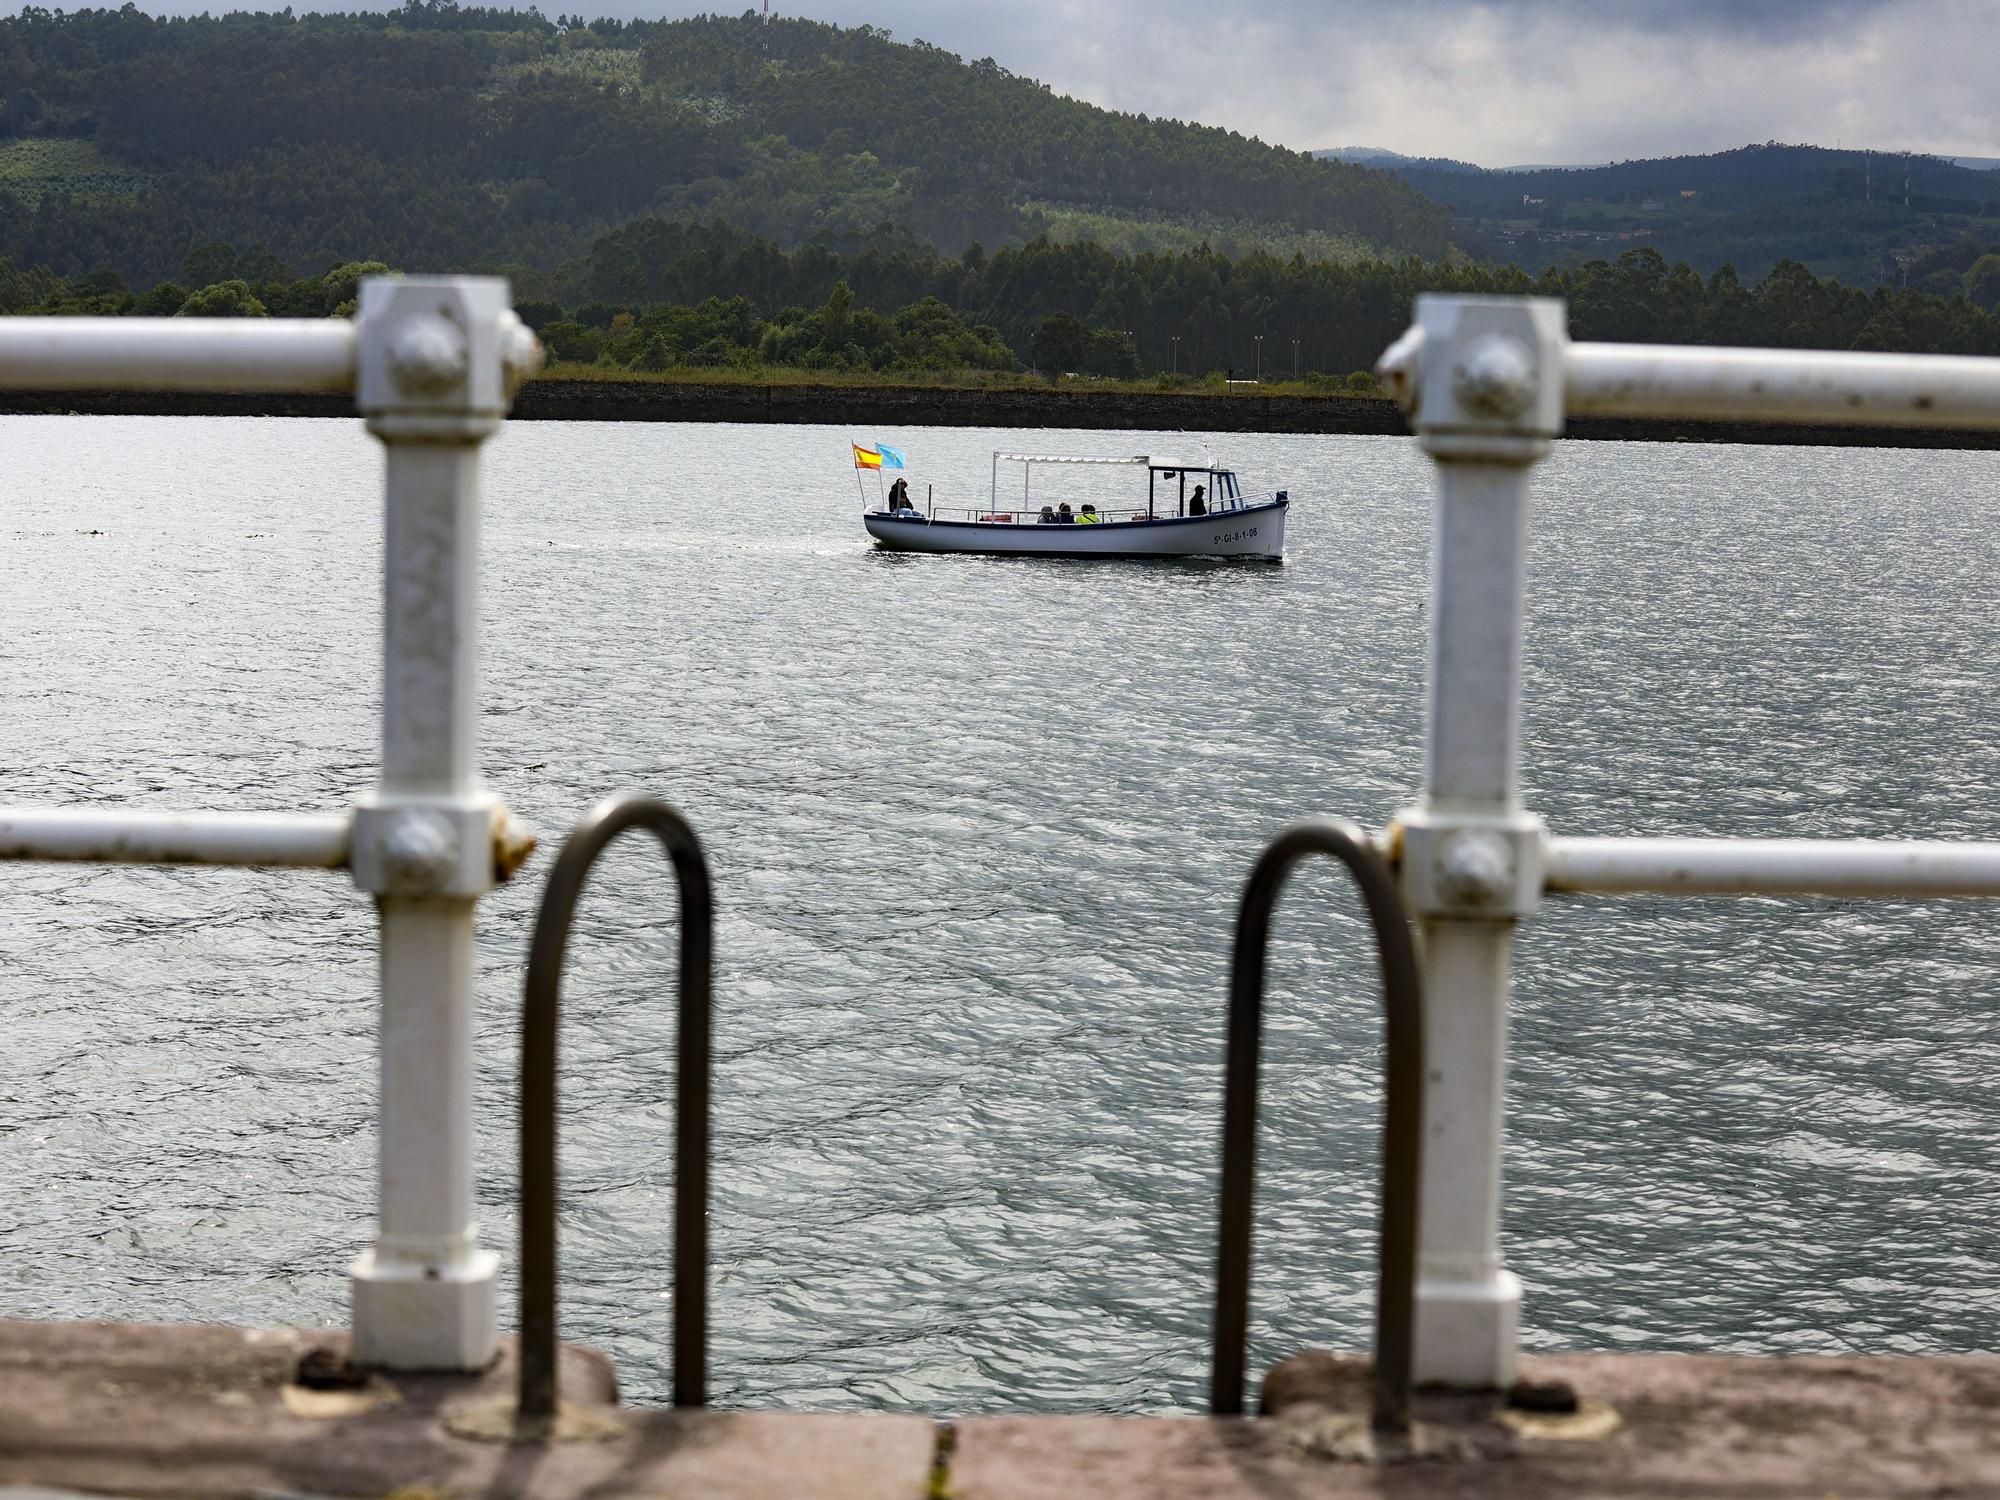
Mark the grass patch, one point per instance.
(594, 64)
(945, 380)
(1227, 237)
(33, 165)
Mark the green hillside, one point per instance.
(457, 137)
(1864, 217)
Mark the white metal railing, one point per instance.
(1487, 382)
(1782, 385)
(433, 365)
(178, 354)
(1773, 867)
(316, 841)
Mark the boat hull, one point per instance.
(1256, 531)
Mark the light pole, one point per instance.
(1177, 352)
(1295, 359)
(1258, 340)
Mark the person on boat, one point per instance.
(1063, 517)
(1088, 516)
(899, 495)
(1048, 517)
(1197, 505)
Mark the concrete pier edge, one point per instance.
(174, 1411)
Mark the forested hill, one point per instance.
(1863, 216)
(451, 137)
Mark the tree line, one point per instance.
(1196, 311)
(655, 295)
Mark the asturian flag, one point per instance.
(892, 458)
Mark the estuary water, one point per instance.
(978, 828)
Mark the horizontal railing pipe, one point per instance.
(310, 840)
(1722, 867)
(178, 354)
(1782, 385)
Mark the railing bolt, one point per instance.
(419, 848)
(1497, 377)
(1475, 867)
(427, 355)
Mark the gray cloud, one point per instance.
(1492, 81)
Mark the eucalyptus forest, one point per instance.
(720, 193)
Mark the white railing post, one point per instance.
(438, 364)
(1482, 379)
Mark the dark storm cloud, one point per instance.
(1498, 82)
(1504, 81)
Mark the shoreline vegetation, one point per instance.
(718, 219)
(596, 393)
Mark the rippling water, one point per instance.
(978, 829)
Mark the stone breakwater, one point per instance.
(923, 406)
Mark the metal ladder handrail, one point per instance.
(1402, 1129)
(602, 824)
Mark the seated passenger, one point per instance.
(1063, 517)
(1088, 516)
(1048, 517)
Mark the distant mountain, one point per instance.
(1859, 215)
(445, 136)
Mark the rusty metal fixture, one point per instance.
(1402, 1130)
(536, 1407)
(512, 844)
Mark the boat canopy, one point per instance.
(1226, 489)
(1063, 458)
(1138, 460)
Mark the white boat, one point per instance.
(1201, 513)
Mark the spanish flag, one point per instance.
(866, 458)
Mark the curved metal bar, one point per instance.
(1402, 1132)
(537, 1400)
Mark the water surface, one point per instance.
(978, 828)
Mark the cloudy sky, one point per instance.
(1501, 82)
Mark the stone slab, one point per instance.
(167, 1411)
(1686, 1426)
(170, 1413)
